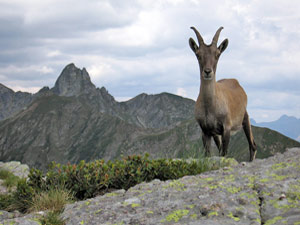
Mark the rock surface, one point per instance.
(73, 82)
(7, 218)
(250, 193)
(18, 169)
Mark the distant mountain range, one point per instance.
(76, 121)
(287, 125)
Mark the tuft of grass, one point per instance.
(6, 200)
(54, 200)
(52, 218)
(10, 180)
(4, 174)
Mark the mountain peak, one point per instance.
(73, 82)
(287, 118)
(4, 89)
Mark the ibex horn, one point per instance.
(200, 39)
(216, 37)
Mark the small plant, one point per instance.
(53, 200)
(4, 174)
(22, 197)
(5, 201)
(52, 218)
(10, 180)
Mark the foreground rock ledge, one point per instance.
(264, 191)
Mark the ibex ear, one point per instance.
(193, 45)
(223, 45)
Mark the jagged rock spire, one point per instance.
(73, 82)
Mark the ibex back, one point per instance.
(221, 106)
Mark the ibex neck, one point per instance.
(208, 92)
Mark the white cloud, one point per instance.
(26, 69)
(182, 92)
(267, 105)
(54, 53)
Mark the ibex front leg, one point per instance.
(206, 142)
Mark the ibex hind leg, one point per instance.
(206, 142)
(249, 135)
(225, 142)
(218, 141)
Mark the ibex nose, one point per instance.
(207, 71)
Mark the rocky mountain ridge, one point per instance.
(147, 111)
(12, 102)
(85, 123)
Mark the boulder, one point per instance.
(18, 169)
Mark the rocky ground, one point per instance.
(262, 192)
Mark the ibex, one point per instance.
(221, 106)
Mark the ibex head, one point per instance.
(208, 55)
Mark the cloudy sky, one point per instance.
(137, 46)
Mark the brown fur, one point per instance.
(221, 106)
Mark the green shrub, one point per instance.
(87, 180)
(22, 197)
(10, 180)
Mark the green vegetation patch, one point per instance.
(86, 180)
(176, 215)
(52, 218)
(10, 180)
(176, 184)
(214, 213)
(283, 165)
(233, 189)
(274, 220)
(235, 218)
(47, 191)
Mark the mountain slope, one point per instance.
(61, 129)
(12, 102)
(158, 111)
(67, 129)
(287, 125)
